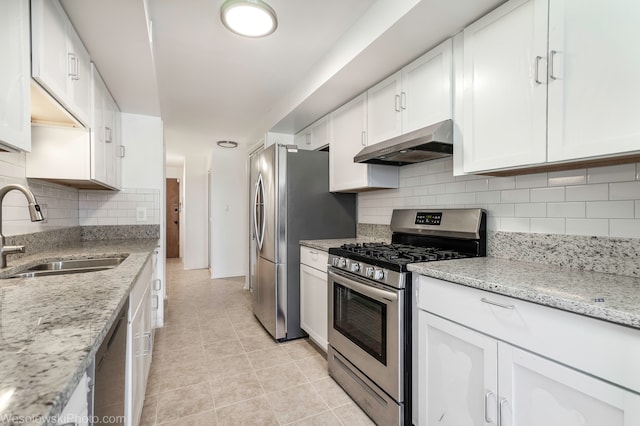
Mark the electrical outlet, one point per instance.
(141, 214)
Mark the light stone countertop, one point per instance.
(325, 245)
(52, 326)
(613, 298)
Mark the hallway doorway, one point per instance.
(173, 218)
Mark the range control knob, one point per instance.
(355, 267)
(378, 274)
(368, 271)
(341, 263)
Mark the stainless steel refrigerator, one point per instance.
(290, 201)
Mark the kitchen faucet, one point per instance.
(34, 212)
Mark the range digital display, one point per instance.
(424, 218)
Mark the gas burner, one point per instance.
(401, 254)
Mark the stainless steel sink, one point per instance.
(72, 266)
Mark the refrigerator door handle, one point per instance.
(259, 197)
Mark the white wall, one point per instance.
(601, 201)
(194, 212)
(228, 203)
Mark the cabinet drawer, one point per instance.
(597, 347)
(315, 258)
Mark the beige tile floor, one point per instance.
(214, 364)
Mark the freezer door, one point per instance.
(264, 296)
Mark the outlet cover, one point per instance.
(141, 214)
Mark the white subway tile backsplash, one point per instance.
(493, 223)
(489, 197)
(625, 228)
(610, 209)
(546, 195)
(465, 198)
(568, 177)
(620, 173)
(445, 199)
(445, 177)
(515, 196)
(624, 191)
(501, 210)
(514, 224)
(587, 192)
(576, 209)
(591, 227)
(437, 189)
(538, 180)
(502, 183)
(637, 209)
(477, 185)
(531, 210)
(455, 187)
(547, 225)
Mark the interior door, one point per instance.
(173, 218)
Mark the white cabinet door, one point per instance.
(384, 118)
(60, 62)
(505, 91)
(537, 392)
(15, 124)
(348, 137)
(315, 136)
(314, 304)
(98, 127)
(50, 60)
(594, 95)
(79, 93)
(457, 374)
(110, 140)
(426, 96)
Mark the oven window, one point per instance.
(362, 320)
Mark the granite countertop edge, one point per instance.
(119, 280)
(569, 289)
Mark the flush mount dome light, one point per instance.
(227, 144)
(249, 18)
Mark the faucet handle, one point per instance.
(12, 249)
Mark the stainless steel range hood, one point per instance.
(428, 143)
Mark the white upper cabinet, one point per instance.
(550, 81)
(594, 94)
(15, 125)
(383, 109)
(348, 137)
(426, 96)
(505, 92)
(105, 134)
(315, 136)
(60, 62)
(418, 95)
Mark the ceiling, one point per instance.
(209, 84)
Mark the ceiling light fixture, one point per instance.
(249, 18)
(227, 144)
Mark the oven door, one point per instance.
(365, 323)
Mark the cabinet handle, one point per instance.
(122, 151)
(552, 55)
(308, 138)
(364, 138)
(107, 134)
(397, 103)
(157, 287)
(500, 412)
(403, 100)
(487, 419)
(502, 305)
(149, 344)
(155, 302)
(536, 72)
(73, 66)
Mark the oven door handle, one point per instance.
(363, 287)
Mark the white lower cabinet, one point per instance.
(314, 295)
(76, 412)
(139, 345)
(157, 292)
(466, 376)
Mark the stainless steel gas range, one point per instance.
(370, 299)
